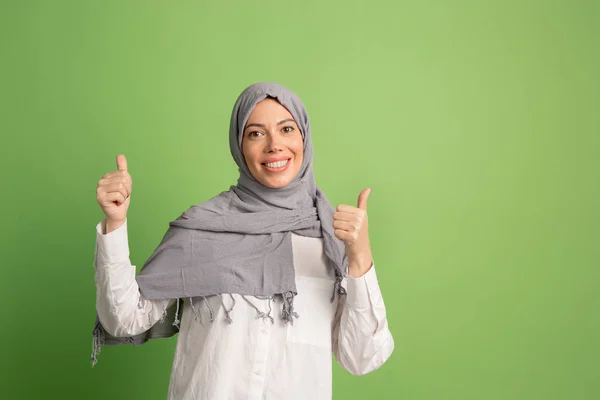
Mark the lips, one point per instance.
(277, 169)
(272, 160)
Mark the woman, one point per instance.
(225, 267)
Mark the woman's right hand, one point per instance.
(113, 193)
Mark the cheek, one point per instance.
(297, 146)
(249, 155)
(300, 154)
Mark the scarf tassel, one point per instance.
(97, 342)
(287, 315)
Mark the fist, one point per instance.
(114, 190)
(351, 226)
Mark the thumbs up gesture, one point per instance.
(113, 192)
(352, 227)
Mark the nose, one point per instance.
(274, 143)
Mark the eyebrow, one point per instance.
(279, 123)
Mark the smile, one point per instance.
(276, 166)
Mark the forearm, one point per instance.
(121, 308)
(362, 339)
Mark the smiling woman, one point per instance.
(272, 242)
(272, 144)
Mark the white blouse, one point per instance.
(253, 358)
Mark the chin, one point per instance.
(275, 184)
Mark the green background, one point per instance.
(476, 124)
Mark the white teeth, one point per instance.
(277, 164)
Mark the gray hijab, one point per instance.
(240, 240)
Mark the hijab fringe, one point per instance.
(97, 342)
(177, 321)
(288, 315)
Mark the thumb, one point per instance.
(362, 198)
(121, 163)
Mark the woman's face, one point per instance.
(272, 144)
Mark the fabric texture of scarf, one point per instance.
(239, 242)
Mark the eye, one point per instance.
(254, 133)
(288, 129)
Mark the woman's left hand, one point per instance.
(351, 225)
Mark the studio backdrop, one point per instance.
(476, 125)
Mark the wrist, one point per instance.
(110, 225)
(360, 265)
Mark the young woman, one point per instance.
(261, 283)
